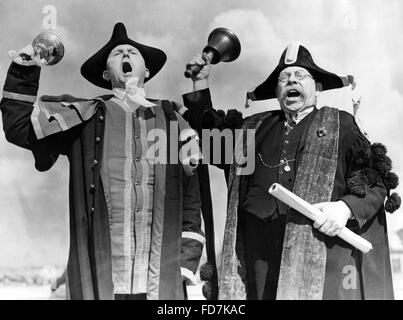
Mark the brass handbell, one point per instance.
(49, 47)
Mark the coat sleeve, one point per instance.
(357, 159)
(200, 114)
(19, 94)
(192, 236)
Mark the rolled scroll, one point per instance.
(315, 214)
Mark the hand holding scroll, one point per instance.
(335, 217)
(316, 215)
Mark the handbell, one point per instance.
(223, 45)
(49, 47)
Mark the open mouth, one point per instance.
(293, 94)
(126, 67)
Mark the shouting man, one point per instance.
(271, 251)
(134, 219)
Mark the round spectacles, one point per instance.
(299, 75)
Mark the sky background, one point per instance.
(362, 38)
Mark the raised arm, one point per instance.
(200, 114)
(19, 95)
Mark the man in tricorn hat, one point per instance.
(270, 251)
(134, 219)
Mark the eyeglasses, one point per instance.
(299, 75)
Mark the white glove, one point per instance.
(335, 217)
(26, 57)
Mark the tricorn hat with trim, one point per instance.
(93, 68)
(295, 55)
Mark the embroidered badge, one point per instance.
(292, 53)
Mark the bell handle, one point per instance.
(194, 69)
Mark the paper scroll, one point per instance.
(315, 214)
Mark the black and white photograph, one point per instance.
(201, 150)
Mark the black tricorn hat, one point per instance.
(93, 68)
(295, 55)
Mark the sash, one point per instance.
(303, 261)
(303, 265)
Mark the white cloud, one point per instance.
(256, 34)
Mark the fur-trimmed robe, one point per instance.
(176, 197)
(370, 221)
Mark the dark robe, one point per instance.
(176, 196)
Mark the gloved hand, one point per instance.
(202, 61)
(200, 79)
(335, 217)
(26, 57)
